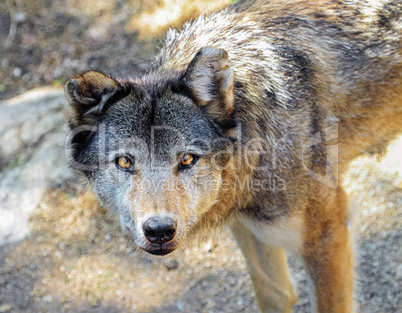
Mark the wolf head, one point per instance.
(156, 149)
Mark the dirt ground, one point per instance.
(77, 260)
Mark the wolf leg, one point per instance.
(269, 272)
(328, 255)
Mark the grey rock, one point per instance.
(33, 129)
(25, 119)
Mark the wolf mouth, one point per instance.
(160, 250)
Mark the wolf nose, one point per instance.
(159, 230)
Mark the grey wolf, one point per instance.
(249, 117)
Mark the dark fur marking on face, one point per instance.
(152, 114)
(79, 146)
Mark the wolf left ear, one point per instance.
(209, 79)
(88, 95)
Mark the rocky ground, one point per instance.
(60, 251)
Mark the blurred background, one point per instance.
(60, 251)
(45, 41)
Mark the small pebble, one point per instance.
(171, 265)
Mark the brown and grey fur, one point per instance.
(286, 80)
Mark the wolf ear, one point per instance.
(209, 80)
(88, 95)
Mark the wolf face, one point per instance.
(156, 149)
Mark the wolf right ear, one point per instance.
(209, 80)
(89, 93)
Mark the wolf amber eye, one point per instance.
(123, 163)
(187, 160)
